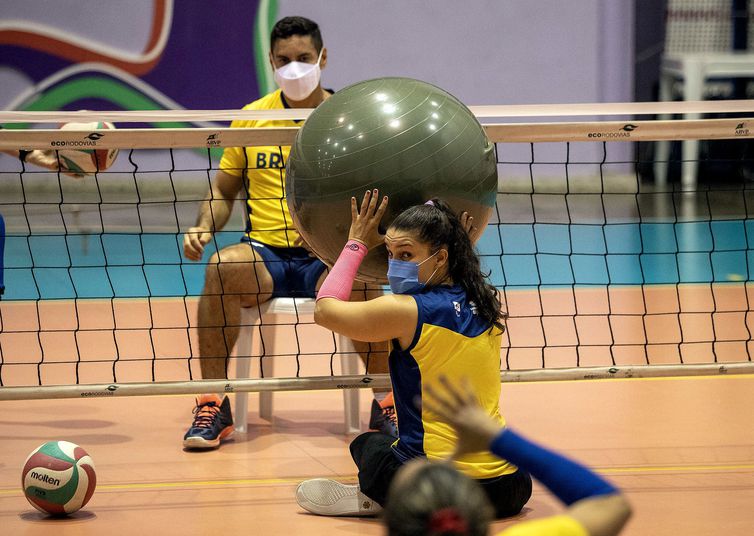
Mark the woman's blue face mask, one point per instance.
(403, 276)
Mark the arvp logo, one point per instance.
(629, 127)
(94, 136)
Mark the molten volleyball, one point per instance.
(58, 478)
(82, 156)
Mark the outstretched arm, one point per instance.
(592, 501)
(43, 159)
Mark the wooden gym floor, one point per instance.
(681, 449)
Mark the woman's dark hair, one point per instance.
(437, 500)
(289, 26)
(436, 224)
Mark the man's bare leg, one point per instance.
(236, 277)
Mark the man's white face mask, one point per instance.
(298, 79)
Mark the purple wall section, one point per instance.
(208, 61)
(487, 52)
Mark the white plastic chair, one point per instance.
(286, 311)
(698, 50)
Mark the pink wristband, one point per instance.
(339, 281)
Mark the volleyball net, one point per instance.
(606, 265)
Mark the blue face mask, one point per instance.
(403, 276)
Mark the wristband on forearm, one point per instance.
(339, 281)
(567, 479)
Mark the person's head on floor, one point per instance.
(437, 500)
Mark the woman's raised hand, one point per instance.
(365, 220)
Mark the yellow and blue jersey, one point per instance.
(450, 339)
(268, 219)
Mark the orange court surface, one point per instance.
(681, 449)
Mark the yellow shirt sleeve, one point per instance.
(561, 525)
(233, 161)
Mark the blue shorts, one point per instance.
(294, 271)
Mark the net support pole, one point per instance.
(320, 383)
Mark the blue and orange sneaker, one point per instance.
(383, 418)
(213, 422)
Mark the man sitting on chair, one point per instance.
(272, 259)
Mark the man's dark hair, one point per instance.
(289, 26)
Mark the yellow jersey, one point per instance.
(268, 219)
(450, 339)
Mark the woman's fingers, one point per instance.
(467, 391)
(458, 400)
(354, 211)
(382, 208)
(467, 222)
(369, 205)
(436, 403)
(365, 203)
(373, 203)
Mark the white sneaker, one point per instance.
(326, 497)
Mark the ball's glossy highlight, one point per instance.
(411, 140)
